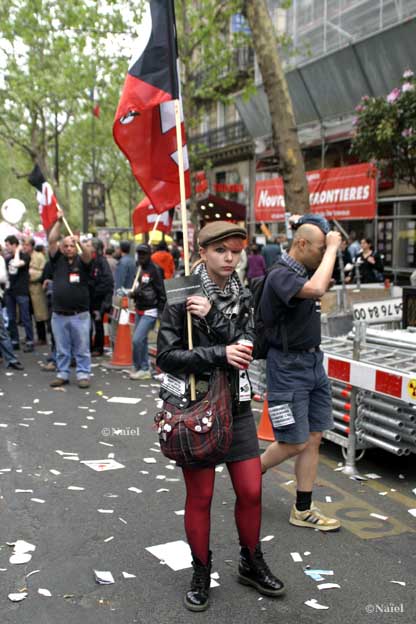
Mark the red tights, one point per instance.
(246, 479)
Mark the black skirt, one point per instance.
(245, 444)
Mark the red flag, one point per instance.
(96, 110)
(145, 217)
(144, 125)
(48, 204)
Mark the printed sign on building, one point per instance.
(341, 193)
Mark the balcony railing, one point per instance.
(231, 134)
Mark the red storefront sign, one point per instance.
(341, 193)
(228, 188)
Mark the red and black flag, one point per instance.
(48, 204)
(144, 125)
(145, 218)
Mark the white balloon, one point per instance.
(13, 210)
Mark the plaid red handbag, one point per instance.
(201, 432)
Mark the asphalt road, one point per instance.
(73, 538)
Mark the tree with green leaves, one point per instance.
(385, 130)
(284, 131)
(52, 54)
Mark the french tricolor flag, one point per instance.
(144, 125)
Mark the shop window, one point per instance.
(407, 208)
(385, 240)
(385, 209)
(406, 243)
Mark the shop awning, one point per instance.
(214, 207)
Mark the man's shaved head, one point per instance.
(309, 232)
(309, 245)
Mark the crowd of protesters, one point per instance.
(66, 290)
(28, 273)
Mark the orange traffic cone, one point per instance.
(265, 429)
(122, 354)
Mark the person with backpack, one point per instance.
(221, 320)
(298, 389)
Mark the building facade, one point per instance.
(341, 50)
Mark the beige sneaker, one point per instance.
(140, 374)
(313, 518)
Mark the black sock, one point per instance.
(303, 500)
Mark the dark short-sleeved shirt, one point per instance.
(19, 277)
(70, 284)
(279, 304)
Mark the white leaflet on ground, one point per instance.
(127, 575)
(103, 577)
(100, 465)
(170, 467)
(329, 586)
(412, 512)
(213, 583)
(162, 490)
(379, 516)
(33, 572)
(17, 597)
(149, 460)
(382, 493)
(124, 400)
(60, 424)
(296, 557)
(54, 472)
(399, 583)
(172, 480)
(143, 413)
(372, 475)
(160, 477)
(44, 592)
(37, 500)
(328, 499)
(76, 488)
(105, 443)
(109, 539)
(288, 482)
(219, 468)
(176, 555)
(47, 413)
(122, 520)
(267, 538)
(20, 558)
(315, 604)
(72, 457)
(66, 453)
(20, 491)
(134, 489)
(20, 546)
(180, 512)
(105, 511)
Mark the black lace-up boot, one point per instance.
(196, 599)
(253, 570)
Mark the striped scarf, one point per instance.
(227, 300)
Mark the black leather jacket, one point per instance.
(211, 335)
(150, 291)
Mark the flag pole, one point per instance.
(184, 227)
(66, 224)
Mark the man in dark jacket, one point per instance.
(17, 294)
(150, 300)
(101, 292)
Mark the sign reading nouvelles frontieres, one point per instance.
(378, 311)
(340, 193)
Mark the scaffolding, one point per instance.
(319, 27)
